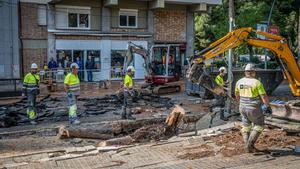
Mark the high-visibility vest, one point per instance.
(31, 82)
(73, 83)
(219, 80)
(249, 90)
(128, 82)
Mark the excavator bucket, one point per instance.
(200, 75)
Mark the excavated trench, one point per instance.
(55, 109)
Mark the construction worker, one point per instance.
(31, 90)
(72, 88)
(220, 99)
(128, 91)
(219, 79)
(250, 92)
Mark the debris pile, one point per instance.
(55, 109)
(152, 132)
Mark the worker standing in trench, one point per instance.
(128, 92)
(250, 92)
(72, 89)
(220, 98)
(31, 90)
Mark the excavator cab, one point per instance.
(165, 64)
(162, 66)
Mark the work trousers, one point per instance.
(252, 118)
(31, 106)
(72, 102)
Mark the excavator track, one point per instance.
(167, 88)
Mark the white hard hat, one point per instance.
(130, 68)
(34, 66)
(223, 69)
(250, 67)
(74, 65)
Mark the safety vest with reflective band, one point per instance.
(219, 80)
(249, 90)
(31, 82)
(128, 82)
(73, 83)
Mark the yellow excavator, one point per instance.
(276, 44)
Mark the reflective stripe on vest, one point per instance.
(31, 82)
(72, 82)
(219, 80)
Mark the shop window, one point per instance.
(64, 58)
(128, 18)
(117, 63)
(95, 58)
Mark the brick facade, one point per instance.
(169, 26)
(29, 27)
(30, 30)
(30, 56)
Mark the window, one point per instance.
(42, 15)
(78, 20)
(117, 63)
(128, 18)
(72, 17)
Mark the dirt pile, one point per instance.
(55, 109)
(231, 143)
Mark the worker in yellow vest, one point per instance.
(219, 79)
(72, 88)
(250, 92)
(31, 90)
(128, 91)
(220, 99)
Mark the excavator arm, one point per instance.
(274, 43)
(136, 49)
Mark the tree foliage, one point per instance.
(248, 13)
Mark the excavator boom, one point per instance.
(274, 43)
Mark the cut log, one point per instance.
(117, 141)
(105, 130)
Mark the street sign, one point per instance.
(263, 28)
(274, 29)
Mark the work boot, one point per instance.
(123, 114)
(130, 117)
(246, 137)
(33, 122)
(76, 122)
(222, 117)
(251, 141)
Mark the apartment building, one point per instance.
(72, 30)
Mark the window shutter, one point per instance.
(42, 15)
(142, 19)
(61, 18)
(114, 17)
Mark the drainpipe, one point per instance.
(20, 41)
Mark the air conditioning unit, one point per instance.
(157, 4)
(111, 2)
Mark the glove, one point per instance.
(266, 110)
(69, 94)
